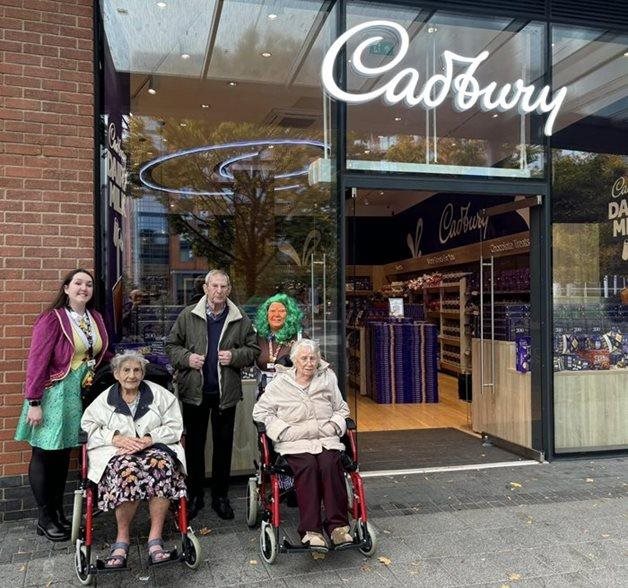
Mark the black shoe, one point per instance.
(62, 521)
(48, 527)
(222, 507)
(195, 504)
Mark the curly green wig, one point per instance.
(290, 328)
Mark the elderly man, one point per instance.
(209, 344)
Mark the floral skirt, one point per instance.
(140, 476)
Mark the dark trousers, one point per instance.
(196, 420)
(319, 476)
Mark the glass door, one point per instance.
(502, 345)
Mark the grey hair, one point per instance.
(217, 272)
(129, 355)
(309, 343)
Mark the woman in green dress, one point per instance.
(69, 341)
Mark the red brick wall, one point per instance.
(46, 178)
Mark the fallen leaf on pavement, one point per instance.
(366, 568)
(318, 555)
(253, 562)
(515, 485)
(514, 577)
(204, 531)
(384, 560)
(589, 480)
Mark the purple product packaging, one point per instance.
(522, 360)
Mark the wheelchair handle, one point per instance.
(261, 427)
(351, 426)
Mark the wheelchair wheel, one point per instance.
(192, 550)
(366, 533)
(252, 506)
(268, 545)
(82, 564)
(77, 515)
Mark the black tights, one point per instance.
(47, 473)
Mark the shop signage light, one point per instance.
(464, 87)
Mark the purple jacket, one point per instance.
(52, 348)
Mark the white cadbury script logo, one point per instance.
(466, 90)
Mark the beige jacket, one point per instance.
(303, 422)
(158, 415)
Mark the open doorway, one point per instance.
(438, 327)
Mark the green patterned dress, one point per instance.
(61, 404)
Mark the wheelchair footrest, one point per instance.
(100, 568)
(287, 547)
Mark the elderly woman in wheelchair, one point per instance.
(304, 415)
(134, 453)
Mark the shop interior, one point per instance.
(415, 311)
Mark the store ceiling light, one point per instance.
(495, 115)
(232, 84)
(185, 56)
(266, 54)
(204, 105)
(161, 4)
(272, 16)
(152, 86)
(397, 118)
(183, 124)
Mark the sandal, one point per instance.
(117, 562)
(158, 556)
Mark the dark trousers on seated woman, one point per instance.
(319, 477)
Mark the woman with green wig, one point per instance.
(278, 325)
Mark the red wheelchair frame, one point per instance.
(82, 535)
(264, 499)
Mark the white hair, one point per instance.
(217, 272)
(129, 355)
(307, 343)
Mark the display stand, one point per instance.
(357, 359)
(454, 340)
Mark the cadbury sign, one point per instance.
(457, 80)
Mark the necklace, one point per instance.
(273, 353)
(84, 324)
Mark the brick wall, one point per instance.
(46, 189)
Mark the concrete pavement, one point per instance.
(558, 524)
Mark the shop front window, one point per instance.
(214, 115)
(443, 130)
(590, 243)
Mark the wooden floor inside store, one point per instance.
(449, 412)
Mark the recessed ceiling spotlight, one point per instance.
(431, 30)
(183, 124)
(381, 193)
(152, 86)
(272, 16)
(265, 53)
(204, 105)
(161, 4)
(495, 115)
(367, 151)
(232, 84)
(397, 118)
(185, 56)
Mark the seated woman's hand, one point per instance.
(126, 445)
(329, 429)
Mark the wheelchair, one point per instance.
(82, 536)
(265, 494)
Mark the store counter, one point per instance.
(504, 410)
(244, 436)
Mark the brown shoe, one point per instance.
(341, 536)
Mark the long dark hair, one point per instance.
(61, 300)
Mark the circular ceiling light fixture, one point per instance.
(185, 56)
(266, 54)
(223, 171)
(161, 5)
(272, 16)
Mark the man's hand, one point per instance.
(196, 361)
(224, 357)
